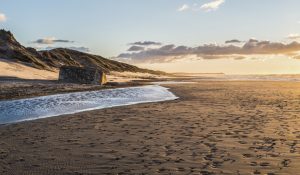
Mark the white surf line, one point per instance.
(13, 111)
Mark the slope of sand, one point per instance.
(132, 76)
(17, 70)
(214, 128)
(11, 69)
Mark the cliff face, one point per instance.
(12, 50)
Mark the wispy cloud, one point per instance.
(2, 17)
(184, 7)
(293, 36)
(169, 53)
(135, 48)
(47, 44)
(51, 40)
(232, 41)
(80, 49)
(145, 43)
(210, 6)
(214, 5)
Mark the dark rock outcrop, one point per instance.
(80, 75)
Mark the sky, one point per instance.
(229, 36)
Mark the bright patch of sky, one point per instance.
(108, 27)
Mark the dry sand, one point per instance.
(214, 128)
(12, 69)
(16, 70)
(124, 77)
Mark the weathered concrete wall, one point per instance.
(81, 75)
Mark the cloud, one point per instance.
(2, 17)
(233, 41)
(136, 48)
(80, 49)
(146, 43)
(169, 53)
(293, 36)
(51, 40)
(253, 40)
(214, 5)
(184, 7)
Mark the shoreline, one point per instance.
(29, 109)
(22, 89)
(14, 89)
(213, 128)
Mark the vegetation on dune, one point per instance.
(11, 49)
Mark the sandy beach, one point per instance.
(213, 128)
(14, 88)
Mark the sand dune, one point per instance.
(12, 69)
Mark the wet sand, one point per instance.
(14, 88)
(214, 128)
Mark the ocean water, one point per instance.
(54, 105)
(283, 77)
(292, 78)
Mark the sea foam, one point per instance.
(54, 105)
